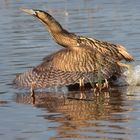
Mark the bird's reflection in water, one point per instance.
(3, 102)
(98, 117)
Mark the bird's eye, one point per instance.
(36, 13)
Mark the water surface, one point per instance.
(56, 115)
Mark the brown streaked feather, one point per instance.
(36, 78)
(70, 40)
(79, 60)
(83, 58)
(116, 51)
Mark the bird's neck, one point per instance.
(60, 35)
(63, 37)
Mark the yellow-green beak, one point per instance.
(29, 11)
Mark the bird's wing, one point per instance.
(80, 59)
(66, 67)
(116, 51)
(36, 78)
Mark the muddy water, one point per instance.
(56, 115)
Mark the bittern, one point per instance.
(83, 58)
(81, 62)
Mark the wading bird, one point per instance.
(83, 59)
(82, 62)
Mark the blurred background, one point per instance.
(24, 42)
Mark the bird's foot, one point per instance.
(33, 95)
(99, 87)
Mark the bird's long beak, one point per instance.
(29, 11)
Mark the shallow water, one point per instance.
(24, 42)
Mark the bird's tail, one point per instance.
(125, 54)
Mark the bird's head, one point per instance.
(43, 16)
(53, 26)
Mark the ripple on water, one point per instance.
(56, 115)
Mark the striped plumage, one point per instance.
(118, 52)
(35, 79)
(83, 58)
(71, 40)
(80, 60)
(48, 73)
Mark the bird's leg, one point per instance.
(97, 88)
(81, 83)
(82, 95)
(101, 86)
(32, 94)
(105, 85)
